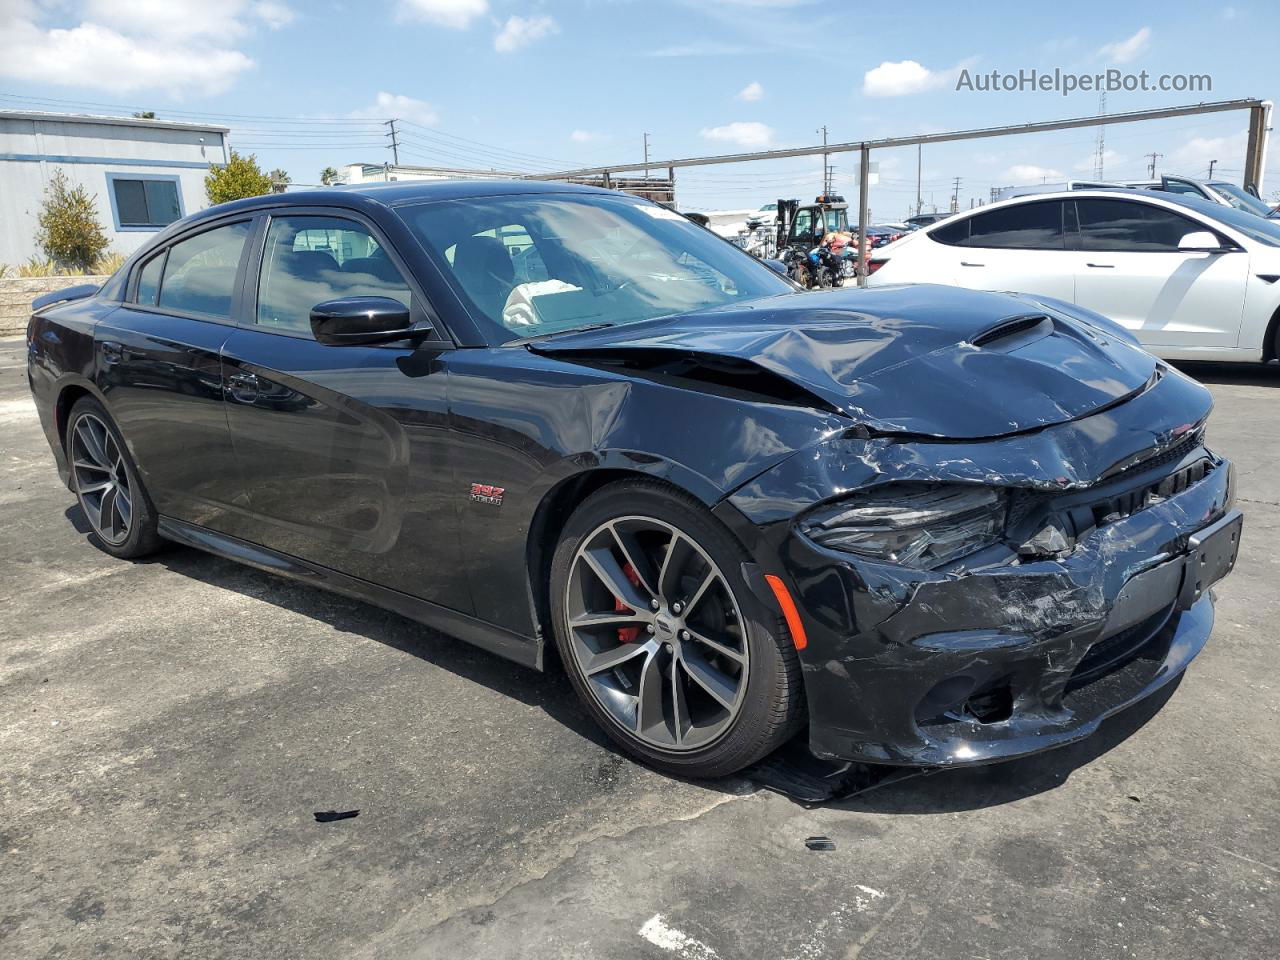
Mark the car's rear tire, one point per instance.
(121, 516)
(669, 649)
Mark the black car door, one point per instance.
(343, 450)
(158, 357)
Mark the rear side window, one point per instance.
(149, 281)
(1123, 225)
(200, 275)
(1026, 226)
(309, 260)
(954, 234)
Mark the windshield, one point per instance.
(539, 264)
(1240, 199)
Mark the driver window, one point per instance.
(309, 260)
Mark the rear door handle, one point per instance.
(243, 387)
(966, 263)
(1101, 266)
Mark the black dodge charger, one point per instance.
(930, 525)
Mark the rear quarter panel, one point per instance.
(61, 364)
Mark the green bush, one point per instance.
(68, 231)
(238, 178)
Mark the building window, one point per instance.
(144, 203)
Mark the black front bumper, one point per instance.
(913, 667)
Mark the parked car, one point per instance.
(930, 525)
(1215, 191)
(879, 236)
(1190, 279)
(926, 219)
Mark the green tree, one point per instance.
(328, 176)
(238, 178)
(145, 115)
(69, 232)
(279, 180)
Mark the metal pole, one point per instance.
(646, 156)
(1195, 109)
(1255, 156)
(919, 155)
(864, 187)
(671, 175)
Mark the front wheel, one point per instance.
(665, 643)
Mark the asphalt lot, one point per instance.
(168, 728)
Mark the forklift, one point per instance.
(799, 229)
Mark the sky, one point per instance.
(544, 85)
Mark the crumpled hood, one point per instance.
(914, 359)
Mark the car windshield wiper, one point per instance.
(558, 333)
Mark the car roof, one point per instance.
(1110, 193)
(398, 193)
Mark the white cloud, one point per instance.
(741, 133)
(387, 105)
(1125, 51)
(585, 136)
(1026, 173)
(519, 32)
(709, 49)
(457, 14)
(1192, 158)
(274, 15)
(174, 46)
(752, 91)
(1109, 159)
(902, 77)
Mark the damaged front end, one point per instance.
(970, 601)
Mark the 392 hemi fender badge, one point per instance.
(487, 493)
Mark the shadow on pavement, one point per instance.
(1243, 374)
(863, 788)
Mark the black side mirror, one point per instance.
(361, 321)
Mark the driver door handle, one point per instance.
(1101, 266)
(243, 387)
(966, 263)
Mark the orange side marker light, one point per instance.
(789, 611)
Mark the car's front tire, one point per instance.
(106, 482)
(669, 649)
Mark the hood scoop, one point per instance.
(1010, 334)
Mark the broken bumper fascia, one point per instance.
(894, 655)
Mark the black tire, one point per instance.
(139, 538)
(771, 708)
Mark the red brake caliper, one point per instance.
(627, 634)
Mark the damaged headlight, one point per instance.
(913, 524)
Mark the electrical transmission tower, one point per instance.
(1101, 149)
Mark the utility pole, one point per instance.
(646, 156)
(919, 202)
(1151, 167)
(826, 172)
(955, 196)
(395, 143)
(1212, 164)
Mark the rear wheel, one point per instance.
(106, 482)
(664, 642)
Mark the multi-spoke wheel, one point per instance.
(662, 638)
(102, 482)
(108, 487)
